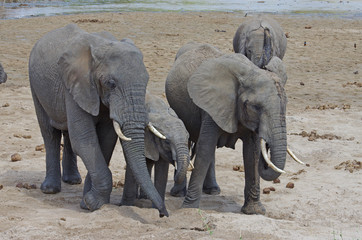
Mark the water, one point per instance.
(351, 8)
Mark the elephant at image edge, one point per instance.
(259, 39)
(3, 75)
(160, 151)
(87, 88)
(221, 98)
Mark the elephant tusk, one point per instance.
(155, 131)
(191, 166)
(294, 157)
(266, 158)
(118, 130)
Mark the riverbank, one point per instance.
(323, 61)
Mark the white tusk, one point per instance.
(118, 130)
(155, 131)
(191, 166)
(294, 157)
(266, 158)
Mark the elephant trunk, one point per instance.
(135, 158)
(278, 150)
(267, 50)
(182, 161)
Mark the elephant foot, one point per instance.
(72, 179)
(211, 190)
(253, 207)
(94, 201)
(50, 186)
(177, 191)
(190, 202)
(83, 206)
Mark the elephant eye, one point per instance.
(111, 84)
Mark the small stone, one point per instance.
(301, 83)
(63, 219)
(1, 186)
(290, 185)
(19, 185)
(32, 186)
(236, 168)
(266, 191)
(26, 136)
(6, 105)
(308, 165)
(40, 148)
(276, 180)
(272, 189)
(15, 157)
(26, 186)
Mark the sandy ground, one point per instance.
(324, 129)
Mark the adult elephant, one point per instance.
(3, 75)
(223, 98)
(259, 39)
(162, 150)
(89, 88)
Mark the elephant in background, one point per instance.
(3, 75)
(260, 39)
(90, 89)
(222, 98)
(171, 147)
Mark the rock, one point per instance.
(19, 185)
(40, 148)
(276, 180)
(266, 191)
(15, 157)
(1, 186)
(290, 185)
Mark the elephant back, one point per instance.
(176, 84)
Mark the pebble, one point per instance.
(15, 157)
(290, 185)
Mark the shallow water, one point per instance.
(350, 9)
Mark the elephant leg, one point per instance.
(179, 190)
(51, 137)
(69, 163)
(251, 153)
(210, 185)
(149, 163)
(205, 155)
(161, 175)
(130, 189)
(107, 140)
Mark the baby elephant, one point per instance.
(161, 151)
(260, 39)
(3, 75)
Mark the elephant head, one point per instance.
(3, 76)
(238, 96)
(98, 70)
(259, 39)
(175, 145)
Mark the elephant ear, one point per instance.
(76, 65)
(214, 88)
(151, 150)
(276, 66)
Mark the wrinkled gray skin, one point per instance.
(223, 98)
(80, 84)
(162, 152)
(3, 75)
(259, 39)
